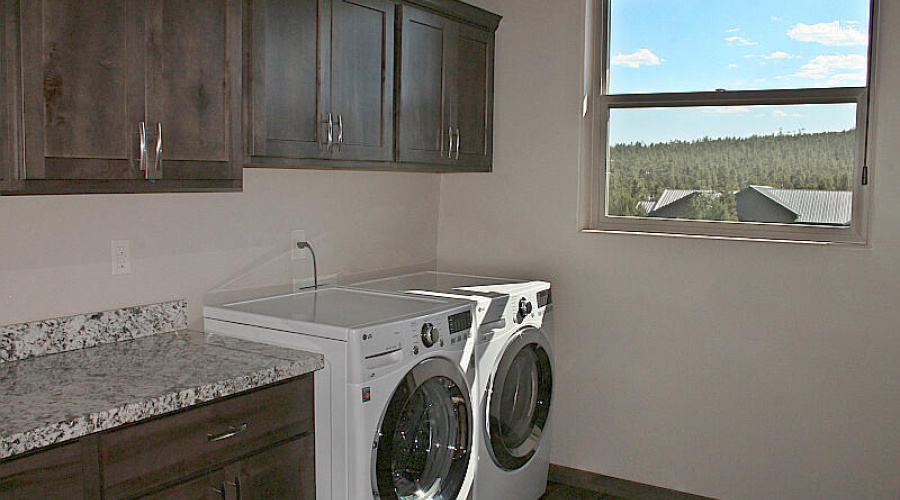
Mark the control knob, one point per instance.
(524, 307)
(430, 334)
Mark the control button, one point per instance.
(430, 334)
(416, 349)
(524, 307)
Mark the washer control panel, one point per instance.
(380, 348)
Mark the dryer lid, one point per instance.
(330, 312)
(481, 289)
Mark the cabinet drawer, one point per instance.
(165, 449)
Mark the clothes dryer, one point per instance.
(394, 410)
(514, 365)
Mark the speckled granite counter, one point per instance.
(51, 399)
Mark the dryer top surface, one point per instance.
(326, 312)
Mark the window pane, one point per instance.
(779, 164)
(704, 45)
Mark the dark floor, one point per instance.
(557, 491)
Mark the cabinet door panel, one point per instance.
(284, 472)
(288, 100)
(208, 487)
(425, 101)
(194, 56)
(474, 97)
(82, 62)
(8, 164)
(363, 78)
(49, 475)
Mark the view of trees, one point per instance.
(641, 172)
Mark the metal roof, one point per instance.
(813, 206)
(670, 196)
(646, 205)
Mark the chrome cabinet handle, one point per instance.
(458, 139)
(157, 168)
(220, 491)
(450, 145)
(340, 140)
(143, 134)
(329, 130)
(230, 433)
(236, 484)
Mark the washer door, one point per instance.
(425, 436)
(518, 399)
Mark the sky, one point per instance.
(704, 45)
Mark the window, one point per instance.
(731, 118)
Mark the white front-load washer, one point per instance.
(514, 366)
(393, 405)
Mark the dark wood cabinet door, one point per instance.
(426, 76)
(286, 472)
(50, 475)
(362, 77)
(474, 99)
(83, 76)
(194, 55)
(9, 165)
(208, 487)
(289, 78)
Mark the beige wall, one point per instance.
(743, 371)
(55, 251)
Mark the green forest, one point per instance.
(641, 172)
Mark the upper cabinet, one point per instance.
(131, 95)
(377, 84)
(122, 96)
(321, 84)
(445, 110)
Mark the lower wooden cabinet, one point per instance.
(257, 446)
(57, 474)
(285, 472)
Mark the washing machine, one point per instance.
(393, 405)
(513, 355)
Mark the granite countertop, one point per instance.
(59, 397)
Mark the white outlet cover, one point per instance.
(120, 257)
(296, 253)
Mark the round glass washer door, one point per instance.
(425, 436)
(518, 399)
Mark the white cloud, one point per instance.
(733, 30)
(642, 57)
(830, 66)
(848, 79)
(780, 54)
(733, 65)
(780, 114)
(777, 19)
(832, 34)
(739, 40)
(728, 110)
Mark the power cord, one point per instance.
(305, 245)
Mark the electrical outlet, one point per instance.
(298, 235)
(120, 251)
(301, 284)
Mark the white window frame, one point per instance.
(597, 106)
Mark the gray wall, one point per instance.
(55, 250)
(739, 370)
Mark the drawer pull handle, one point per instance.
(230, 433)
